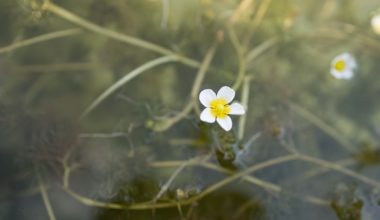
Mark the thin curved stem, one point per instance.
(51, 68)
(164, 125)
(260, 49)
(128, 77)
(165, 13)
(319, 171)
(300, 157)
(169, 122)
(149, 205)
(103, 135)
(260, 14)
(166, 186)
(201, 75)
(240, 56)
(244, 102)
(234, 176)
(243, 173)
(245, 6)
(340, 169)
(67, 15)
(39, 39)
(45, 198)
(322, 125)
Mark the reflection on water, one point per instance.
(99, 116)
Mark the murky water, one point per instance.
(99, 110)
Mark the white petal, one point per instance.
(226, 93)
(206, 116)
(336, 74)
(225, 123)
(347, 74)
(237, 109)
(206, 96)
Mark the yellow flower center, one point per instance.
(219, 108)
(340, 65)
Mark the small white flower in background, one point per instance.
(218, 107)
(375, 22)
(343, 66)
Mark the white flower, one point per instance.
(218, 107)
(343, 66)
(375, 22)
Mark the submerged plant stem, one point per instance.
(244, 102)
(321, 170)
(50, 68)
(268, 185)
(166, 186)
(260, 49)
(201, 75)
(39, 39)
(240, 56)
(67, 15)
(234, 176)
(245, 6)
(149, 205)
(127, 78)
(193, 103)
(340, 169)
(322, 125)
(45, 198)
(165, 13)
(168, 123)
(260, 13)
(103, 135)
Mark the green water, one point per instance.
(99, 110)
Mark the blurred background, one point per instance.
(99, 110)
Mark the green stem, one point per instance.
(260, 13)
(340, 169)
(201, 75)
(128, 77)
(45, 198)
(322, 125)
(260, 49)
(168, 123)
(149, 205)
(240, 55)
(244, 102)
(67, 15)
(39, 39)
